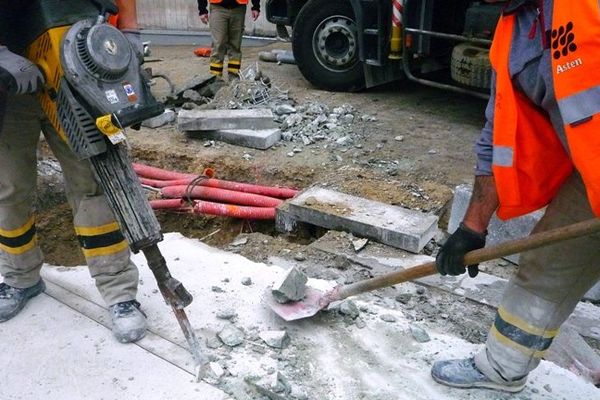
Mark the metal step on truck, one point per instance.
(349, 45)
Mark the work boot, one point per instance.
(12, 299)
(129, 322)
(464, 374)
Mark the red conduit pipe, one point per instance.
(227, 196)
(277, 192)
(228, 210)
(210, 208)
(147, 171)
(167, 204)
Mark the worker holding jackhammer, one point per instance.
(226, 21)
(540, 146)
(105, 249)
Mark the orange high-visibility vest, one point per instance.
(242, 2)
(530, 163)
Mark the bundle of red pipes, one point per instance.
(203, 194)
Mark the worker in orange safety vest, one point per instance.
(226, 20)
(540, 147)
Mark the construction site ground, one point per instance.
(413, 151)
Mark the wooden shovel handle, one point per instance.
(474, 257)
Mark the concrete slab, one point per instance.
(53, 352)
(395, 226)
(256, 138)
(208, 120)
(325, 358)
(501, 231)
(166, 117)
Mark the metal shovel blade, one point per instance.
(305, 308)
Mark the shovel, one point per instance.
(316, 300)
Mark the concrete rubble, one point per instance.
(231, 336)
(290, 287)
(275, 339)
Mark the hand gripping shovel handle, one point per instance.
(474, 257)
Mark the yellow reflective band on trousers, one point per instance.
(101, 240)
(20, 240)
(520, 335)
(216, 69)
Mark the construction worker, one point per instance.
(227, 19)
(104, 247)
(540, 146)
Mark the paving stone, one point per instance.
(255, 138)
(395, 226)
(209, 120)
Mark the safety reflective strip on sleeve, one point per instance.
(520, 335)
(101, 240)
(18, 241)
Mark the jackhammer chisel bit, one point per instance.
(177, 296)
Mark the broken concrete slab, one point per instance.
(255, 138)
(392, 225)
(210, 120)
(231, 336)
(275, 339)
(290, 287)
(501, 231)
(571, 352)
(166, 117)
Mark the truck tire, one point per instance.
(325, 45)
(470, 65)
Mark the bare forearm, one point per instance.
(127, 14)
(483, 204)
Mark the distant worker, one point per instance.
(21, 120)
(540, 146)
(227, 19)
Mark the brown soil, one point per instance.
(438, 130)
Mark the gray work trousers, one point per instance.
(545, 290)
(226, 29)
(106, 251)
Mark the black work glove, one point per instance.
(449, 260)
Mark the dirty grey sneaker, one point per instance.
(464, 374)
(12, 299)
(129, 322)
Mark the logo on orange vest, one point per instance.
(563, 41)
(568, 65)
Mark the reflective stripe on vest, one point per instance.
(530, 163)
(241, 2)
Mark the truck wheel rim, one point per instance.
(334, 43)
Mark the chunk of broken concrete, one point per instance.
(214, 373)
(291, 286)
(231, 336)
(228, 313)
(419, 334)
(246, 281)
(349, 308)
(275, 339)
